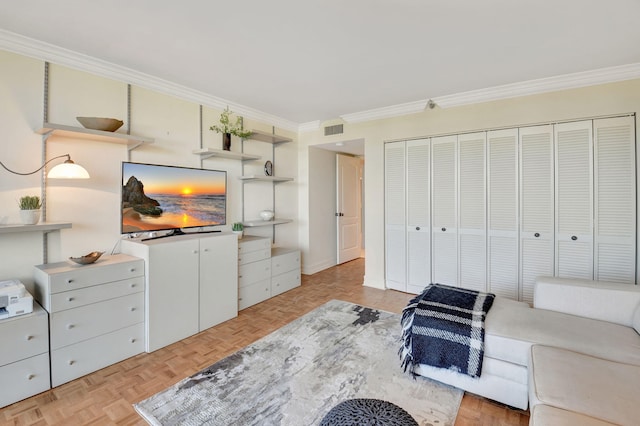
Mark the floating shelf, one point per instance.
(132, 142)
(258, 135)
(265, 178)
(211, 152)
(39, 227)
(260, 222)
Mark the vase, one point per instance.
(226, 141)
(239, 234)
(30, 217)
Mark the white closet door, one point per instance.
(472, 230)
(444, 263)
(394, 201)
(418, 215)
(502, 152)
(574, 199)
(615, 199)
(536, 207)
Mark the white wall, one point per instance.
(609, 99)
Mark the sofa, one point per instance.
(579, 334)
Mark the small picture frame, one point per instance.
(268, 168)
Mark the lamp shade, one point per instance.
(68, 170)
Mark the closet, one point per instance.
(493, 210)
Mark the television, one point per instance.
(170, 198)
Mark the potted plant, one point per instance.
(238, 229)
(227, 128)
(30, 209)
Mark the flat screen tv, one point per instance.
(159, 198)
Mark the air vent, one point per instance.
(333, 130)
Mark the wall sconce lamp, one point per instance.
(66, 170)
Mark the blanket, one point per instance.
(444, 327)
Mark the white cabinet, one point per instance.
(395, 216)
(96, 313)
(24, 359)
(189, 284)
(285, 270)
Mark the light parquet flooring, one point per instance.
(106, 396)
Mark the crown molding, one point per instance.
(309, 126)
(386, 112)
(50, 53)
(542, 85)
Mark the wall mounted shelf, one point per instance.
(132, 142)
(211, 152)
(268, 137)
(275, 179)
(39, 227)
(260, 222)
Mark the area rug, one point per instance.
(296, 374)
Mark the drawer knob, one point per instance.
(70, 326)
(72, 362)
(132, 340)
(69, 281)
(206, 250)
(132, 270)
(31, 376)
(537, 234)
(29, 337)
(132, 309)
(239, 276)
(132, 285)
(574, 237)
(70, 299)
(240, 299)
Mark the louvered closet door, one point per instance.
(536, 207)
(394, 201)
(502, 152)
(444, 257)
(574, 199)
(472, 243)
(418, 215)
(615, 199)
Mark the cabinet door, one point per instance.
(418, 215)
(503, 212)
(574, 199)
(218, 280)
(444, 263)
(394, 202)
(472, 243)
(615, 199)
(172, 299)
(536, 207)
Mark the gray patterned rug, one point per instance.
(296, 374)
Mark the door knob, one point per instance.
(537, 234)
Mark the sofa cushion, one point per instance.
(544, 415)
(584, 384)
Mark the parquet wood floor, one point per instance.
(106, 396)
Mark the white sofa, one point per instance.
(577, 316)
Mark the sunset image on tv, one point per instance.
(158, 197)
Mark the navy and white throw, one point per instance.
(444, 327)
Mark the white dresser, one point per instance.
(285, 270)
(96, 313)
(24, 358)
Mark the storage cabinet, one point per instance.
(189, 284)
(24, 360)
(285, 270)
(96, 313)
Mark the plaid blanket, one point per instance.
(444, 327)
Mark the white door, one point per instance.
(502, 215)
(615, 199)
(444, 263)
(394, 215)
(574, 199)
(472, 229)
(536, 207)
(348, 205)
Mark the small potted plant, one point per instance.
(238, 229)
(30, 209)
(227, 128)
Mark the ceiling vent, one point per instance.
(334, 130)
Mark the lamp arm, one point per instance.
(36, 171)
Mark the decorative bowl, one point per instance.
(266, 214)
(87, 258)
(100, 123)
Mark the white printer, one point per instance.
(14, 299)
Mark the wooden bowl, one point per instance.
(100, 123)
(87, 258)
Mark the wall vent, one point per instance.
(334, 130)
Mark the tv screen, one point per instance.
(157, 198)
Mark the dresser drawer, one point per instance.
(249, 244)
(24, 336)
(253, 272)
(75, 325)
(285, 282)
(24, 378)
(85, 357)
(89, 275)
(254, 293)
(84, 296)
(254, 256)
(285, 262)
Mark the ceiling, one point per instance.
(311, 60)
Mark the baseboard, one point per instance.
(320, 266)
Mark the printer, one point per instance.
(14, 299)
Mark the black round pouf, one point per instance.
(365, 411)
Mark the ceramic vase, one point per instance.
(30, 217)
